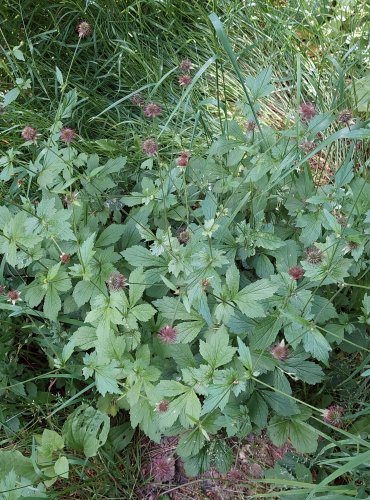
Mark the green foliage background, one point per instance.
(83, 365)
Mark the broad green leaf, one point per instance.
(302, 435)
(139, 256)
(110, 235)
(315, 343)
(248, 299)
(86, 429)
(264, 334)
(216, 350)
(190, 443)
(281, 404)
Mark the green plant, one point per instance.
(198, 298)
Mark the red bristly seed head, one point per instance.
(163, 468)
(150, 147)
(162, 406)
(14, 296)
(29, 133)
(152, 110)
(185, 80)
(296, 272)
(116, 282)
(138, 100)
(280, 351)
(67, 135)
(185, 65)
(307, 147)
(168, 334)
(65, 258)
(84, 29)
(307, 111)
(334, 415)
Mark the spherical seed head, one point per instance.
(84, 29)
(116, 282)
(255, 470)
(307, 147)
(307, 111)
(345, 116)
(163, 468)
(162, 406)
(280, 351)
(341, 219)
(152, 110)
(314, 255)
(168, 334)
(70, 198)
(334, 415)
(67, 135)
(296, 272)
(29, 133)
(137, 100)
(185, 80)
(14, 296)
(150, 147)
(65, 258)
(250, 125)
(204, 284)
(183, 234)
(183, 159)
(185, 65)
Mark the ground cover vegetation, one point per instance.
(184, 249)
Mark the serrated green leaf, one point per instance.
(265, 332)
(302, 435)
(216, 350)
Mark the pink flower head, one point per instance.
(150, 147)
(152, 110)
(280, 351)
(2, 289)
(84, 29)
(296, 272)
(14, 296)
(168, 334)
(67, 135)
(29, 133)
(307, 111)
(163, 468)
(65, 258)
(162, 406)
(137, 100)
(185, 80)
(183, 159)
(116, 282)
(307, 147)
(185, 65)
(333, 415)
